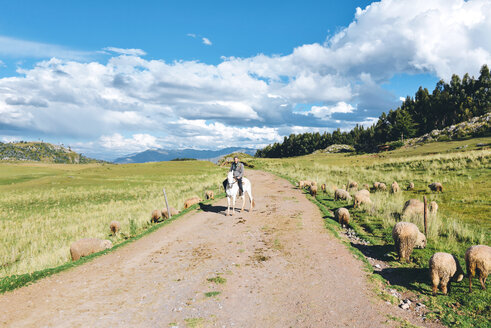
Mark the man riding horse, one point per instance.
(238, 169)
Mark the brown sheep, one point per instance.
(114, 226)
(376, 185)
(313, 190)
(410, 186)
(302, 184)
(444, 267)
(362, 197)
(415, 207)
(323, 188)
(85, 247)
(209, 194)
(366, 186)
(436, 186)
(313, 183)
(478, 260)
(342, 194)
(342, 216)
(406, 236)
(173, 212)
(191, 201)
(395, 187)
(352, 185)
(382, 186)
(155, 216)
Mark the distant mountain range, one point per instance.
(159, 155)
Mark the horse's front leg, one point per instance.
(233, 205)
(243, 202)
(228, 205)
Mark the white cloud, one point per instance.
(10, 139)
(2, 64)
(206, 41)
(325, 112)
(137, 142)
(402, 98)
(122, 51)
(192, 35)
(12, 47)
(368, 121)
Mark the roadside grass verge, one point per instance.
(16, 281)
(463, 217)
(46, 207)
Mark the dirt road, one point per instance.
(280, 268)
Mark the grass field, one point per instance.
(45, 207)
(463, 218)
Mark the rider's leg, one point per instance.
(239, 182)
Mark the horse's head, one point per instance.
(230, 177)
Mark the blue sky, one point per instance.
(114, 77)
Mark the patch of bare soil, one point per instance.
(274, 267)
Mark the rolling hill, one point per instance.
(41, 152)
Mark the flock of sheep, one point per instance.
(444, 267)
(88, 246)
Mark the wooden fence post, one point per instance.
(167, 204)
(425, 215)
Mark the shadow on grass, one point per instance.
(375, 251)
(411, 278)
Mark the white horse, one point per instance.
(232, 191)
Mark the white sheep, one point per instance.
(444, 267)
(478, 260)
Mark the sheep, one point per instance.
(165, 214)
(209, 194)
(341, 194)
(382, 186)
(478, 260)
(155, 216)
(313, 190)
(366, 186)
(313, 183)
(342, 216)
(302, 184)
(352, 185)
(415, 207)
(376, 185)
(433, 207)
(410, 186)
(436, 186)
(85, 247)
(406, 236)
(191, 201)
(114, 226)
(323, 188)
(361, 197)
(395, 187)
(444, 267)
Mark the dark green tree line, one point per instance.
(449, 103)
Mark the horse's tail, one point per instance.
(253, 203)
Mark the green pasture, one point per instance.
(463, 218)
(45, 207)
